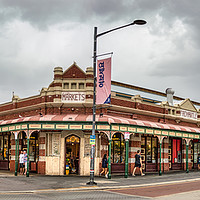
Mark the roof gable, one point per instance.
(74, 71)
(187, 105)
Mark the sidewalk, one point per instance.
(38, 183)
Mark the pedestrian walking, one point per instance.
(198, 161)
(138, 163)
(21, 163)
(104, 166)
(25, 162)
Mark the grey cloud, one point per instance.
(46, 12)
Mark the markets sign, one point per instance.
(73, 97)
(188, 114)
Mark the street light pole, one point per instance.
(92, 157)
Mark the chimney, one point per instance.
(170, 92)
(58, 72)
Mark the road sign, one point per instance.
(92, 139)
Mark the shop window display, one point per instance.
(5, 151)
(176, 153)
(4, 147)
(149, 153)
(149, 146)
(118, 149)
(195, 151)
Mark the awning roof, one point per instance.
(106, 118)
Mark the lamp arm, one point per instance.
(100, 34)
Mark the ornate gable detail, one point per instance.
(74, 71)
(187, 105)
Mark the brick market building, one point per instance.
(56, 126)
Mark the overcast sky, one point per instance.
(38, 35)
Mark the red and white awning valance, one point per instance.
(105, 118)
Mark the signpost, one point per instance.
(92, 139)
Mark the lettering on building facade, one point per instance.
(74, 97)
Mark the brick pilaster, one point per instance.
(42, 153)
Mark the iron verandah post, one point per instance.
(160, 170)
(16, 154)
(187, 170)
(109, 158)
(126, 159)
(28, 141)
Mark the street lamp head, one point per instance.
(139, 22)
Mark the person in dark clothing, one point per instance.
(104, 166)
(198, 161)
(138, 163)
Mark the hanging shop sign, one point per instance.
(188, 114)
(73, 97)
(126, 135)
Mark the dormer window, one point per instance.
(81, 86)
(66, 86)
(73, 86)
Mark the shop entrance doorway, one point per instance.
(149, 153)
(72, 154)
(195, 151)
(117, 154)
(33, 151)
(175, 154)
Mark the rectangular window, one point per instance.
(73, 86)
(66, 86)
(53, 144)
(154, 150)
(148, 150)
(176, 154)
(81, 85)
(1, 147)
(4, 147)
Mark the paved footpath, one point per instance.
(9, 182)
(168, 186)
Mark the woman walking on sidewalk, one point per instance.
(104, 166)
(138, 163)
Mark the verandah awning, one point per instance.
(105, 118)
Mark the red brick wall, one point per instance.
(41, 167)
(74, 72)
(12, 166)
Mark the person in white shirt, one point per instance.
(21, 162)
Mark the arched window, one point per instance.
(118, 148)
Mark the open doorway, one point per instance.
(72, 144)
